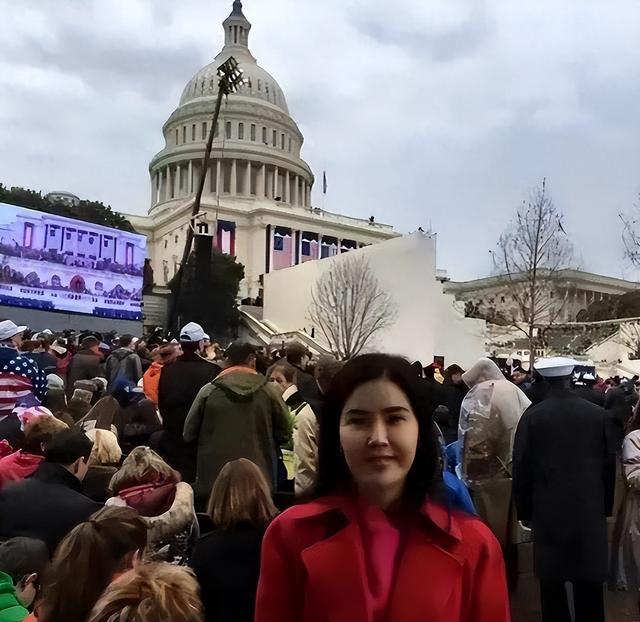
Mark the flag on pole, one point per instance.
(324, 182)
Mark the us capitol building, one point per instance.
(257, 191)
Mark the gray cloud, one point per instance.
(441, 113)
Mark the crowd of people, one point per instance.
(146, 479)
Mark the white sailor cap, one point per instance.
(555, 367)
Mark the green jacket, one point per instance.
(11, 610)
(238, 415)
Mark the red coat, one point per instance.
(18, 465)
(313, 569)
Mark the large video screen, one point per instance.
(54, 263)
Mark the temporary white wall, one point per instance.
(428, 322)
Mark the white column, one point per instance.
(196, 178)
(170, 186)
(319, 245)
(261, 181)
(275, 182)
(234, 178)
(176, 192)
(218, 178)
(287, 189)
(308, 197)
(190, 177)
(157, 178)
(339, 246)
(304, 193)
(247, 179)
(207, 181)
(300, 247)
(296, 193)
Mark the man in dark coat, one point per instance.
(453, 390)
(86, 363)
(618, 403)
(51, 502)
(238, 415)
(298, 356)
(178, 386)
(563, 484)
(586, 390)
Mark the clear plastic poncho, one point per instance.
(489, 416)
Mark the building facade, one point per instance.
(570, 293)
(256, 202)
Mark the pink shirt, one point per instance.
(382, 544)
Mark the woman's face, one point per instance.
(279, 381)
(379, 438)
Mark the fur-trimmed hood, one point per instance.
(173, 534)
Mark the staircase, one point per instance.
(268, 334)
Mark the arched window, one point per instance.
(240, 131)
(193, 131)
(177, 136)
(253, 132)
(228, 129)
(204, 130)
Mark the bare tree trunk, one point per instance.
(349, 306)
(531, 253)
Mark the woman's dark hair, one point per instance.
(86, 560)
(333, 473)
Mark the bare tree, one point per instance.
(530, 254)
(350, 307)
(631, 234)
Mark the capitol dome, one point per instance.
(258, 84)
(256, 152)
(255, 188)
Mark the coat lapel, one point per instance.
(337, 574)
(425, 582)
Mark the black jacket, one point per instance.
(227, 565)
(45, 506)
(307, 386)
(177, 389)
(85, 365)
(563, 482)
(590, 394)
(453, 395)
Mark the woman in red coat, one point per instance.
(379, 543)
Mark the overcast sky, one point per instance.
(440, 113)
